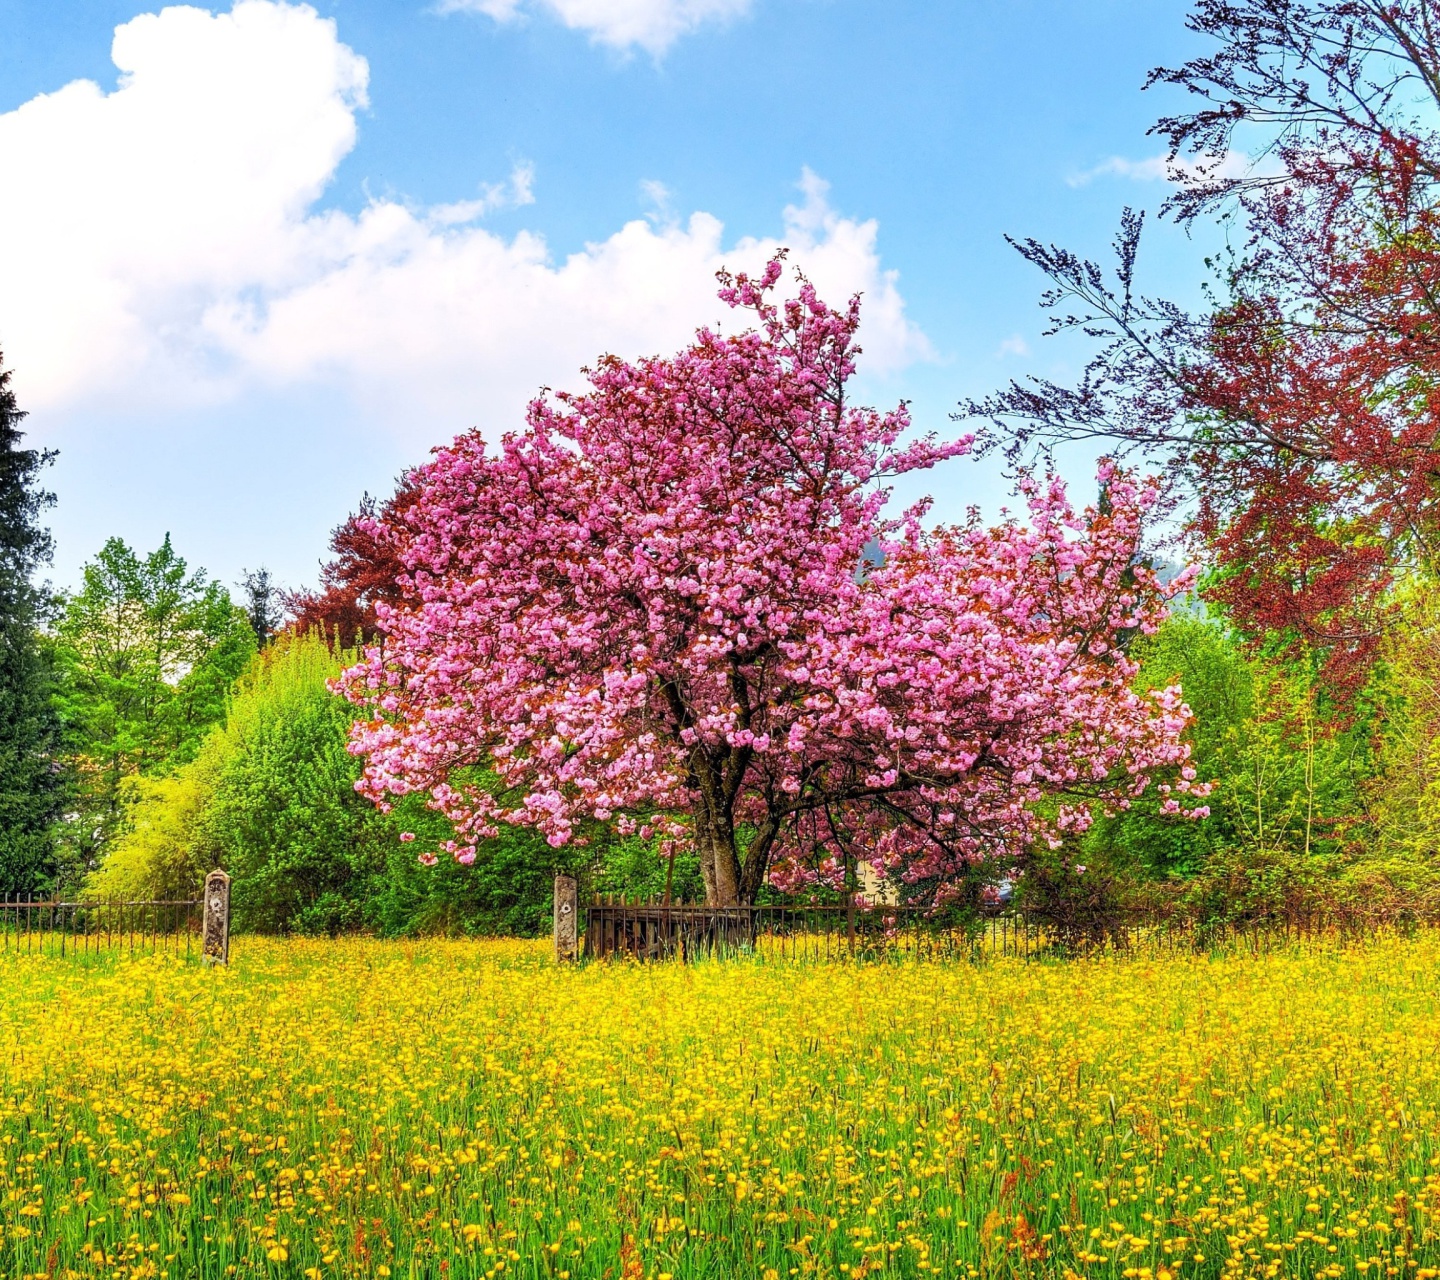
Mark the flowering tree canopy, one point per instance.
(673, 604)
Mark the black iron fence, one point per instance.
(657, 931)
(50, 927)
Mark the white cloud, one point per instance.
(653, 25)
(190, 181)
(1182, 170)
(518, 190)
(660, 199)
(167, 250)
(1014, 345)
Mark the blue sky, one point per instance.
(294, 248)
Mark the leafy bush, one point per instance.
(284, 818)
(1076, 898)
(270, 796)
(158, 856)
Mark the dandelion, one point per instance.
(468, 1109)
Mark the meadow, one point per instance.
(466, 1109)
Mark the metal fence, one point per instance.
(657, 931)
(654, 931)
(50, 927)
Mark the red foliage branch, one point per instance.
(362, 574)
(1300, 414)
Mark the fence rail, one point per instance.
(51, 927)
(656, 931)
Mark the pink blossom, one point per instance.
(657, 607)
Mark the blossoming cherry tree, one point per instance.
(674, 603)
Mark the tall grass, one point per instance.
(456, 1109)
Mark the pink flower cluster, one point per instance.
(659, 607)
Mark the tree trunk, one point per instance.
(757, 860)
(719, 862)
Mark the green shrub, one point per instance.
(284, 818)
(158, 856)
(270, 797)
(1284, 782)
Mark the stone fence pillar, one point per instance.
(567, 919)
(215, 940)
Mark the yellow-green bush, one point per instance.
(162, 853)
(270, 797)
(1404, 796)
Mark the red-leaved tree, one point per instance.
(363, 573)
(1302, 411)
(673, 603)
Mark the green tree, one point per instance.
(1402, 857)
(263, 604)
(147, 653)
(31, 791)
(1284, 784)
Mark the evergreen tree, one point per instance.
(30, 779)
(263, 597)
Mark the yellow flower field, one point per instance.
(459, 1109)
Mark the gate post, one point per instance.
(215, 937)
(567, 919)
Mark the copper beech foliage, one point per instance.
(1300, 412)
(363, 573)
(659, 606)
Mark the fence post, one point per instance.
(567, 918)
(215, 947)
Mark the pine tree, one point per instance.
(263, 597)
(30, 779)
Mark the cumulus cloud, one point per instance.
(168, 250)
(1014, 345)
(128, 211)
(1181, 170)
(653, 25)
